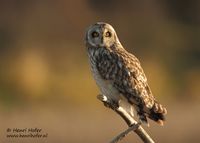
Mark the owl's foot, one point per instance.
(143, 119)
(108, 102)
(102, 97)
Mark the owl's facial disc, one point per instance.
(108, 36)
(93, 36)
(101, 35)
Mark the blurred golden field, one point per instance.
(45, 78)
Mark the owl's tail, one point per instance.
(157, 113)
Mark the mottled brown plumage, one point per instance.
(119, 74)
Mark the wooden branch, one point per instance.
(133, 124)
(123, 134)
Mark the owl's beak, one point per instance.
(102, 42)
(101, 45)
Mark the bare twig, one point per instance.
(123, 134)
(133, 125)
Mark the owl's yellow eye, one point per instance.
(108, 34)
(95, 34)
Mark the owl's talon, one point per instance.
(114, 104)
(108, 102)
(103, 98)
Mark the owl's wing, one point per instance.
(138, 89)
(125, 72)
(127, 75)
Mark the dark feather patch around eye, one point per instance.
(108, 34)
(95, 34)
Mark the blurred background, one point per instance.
(45, 78)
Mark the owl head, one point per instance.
(101, 34)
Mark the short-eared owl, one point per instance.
(119, 74)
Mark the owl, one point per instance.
(119, 74)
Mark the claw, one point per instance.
(102, 98)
